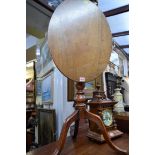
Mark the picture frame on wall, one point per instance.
(111, 84)
(38, 87)
(45, 53)
(47, 88)
(38, 65)
(90, 87)
(44, 60)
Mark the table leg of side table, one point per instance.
(98, 121)
(72, 118)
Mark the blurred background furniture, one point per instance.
(47, 126)
(30, 130)
(122, 120)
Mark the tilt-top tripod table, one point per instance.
(80, 43)
(81, 113)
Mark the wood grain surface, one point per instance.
(83, 146)
(80, 40)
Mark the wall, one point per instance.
(60, 103)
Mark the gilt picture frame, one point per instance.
(88, 90)
(47, 89)
(38, 87)
(44, 60)
(45, 53)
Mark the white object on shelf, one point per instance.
(119, 107)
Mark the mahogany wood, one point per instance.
(102, 127)
(82, 145)
(97, 105)
(79, 39)
(82, 113)
(80, 43)
(76, 129)
(72, 118)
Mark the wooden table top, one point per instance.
(80, 40)
(83, 146)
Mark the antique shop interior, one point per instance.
(51, 96)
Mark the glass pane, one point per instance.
(122, 40)
(126, 50)
(114, 58)
(105, 5)
(119, 23)
(30, 41)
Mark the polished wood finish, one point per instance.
(80, 43)
(82, 145)
(71, 88)
(97, 105)
(82, 113)
(76, 128)
(64, 131)
(80, 40)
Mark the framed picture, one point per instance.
(38, 87)
(47, 88)
(88, 90)
(38, 65)
(44, 61)
(111, 83)
(45, 53)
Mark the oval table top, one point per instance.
(80, 40)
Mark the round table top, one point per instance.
(80, 40)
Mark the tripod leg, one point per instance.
(99, 122)
(69, 120)
(76, 128)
